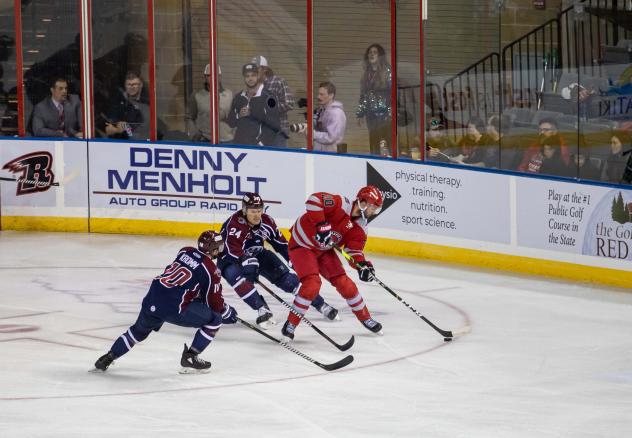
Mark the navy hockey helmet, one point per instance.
(251, 200)
(210, 241)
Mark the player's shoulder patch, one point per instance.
(241, 220)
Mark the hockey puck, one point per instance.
(447, 339)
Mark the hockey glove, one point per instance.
(250, 268)
(365, 271)
(229, 315)
(323, 233)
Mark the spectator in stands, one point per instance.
(198, 115)
(584, 167)
(615, 163)
(60, 114)
(552, 162)
(439, 146)
(375, 98)
(580, 97)
(254, 112)
(471, 148)
(548, 132)
(278, 88)
(496, 128)
(330, 120)
(128, 115)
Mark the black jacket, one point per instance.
(263, 123)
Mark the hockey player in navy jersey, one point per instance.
(188, 294)
(244, 258)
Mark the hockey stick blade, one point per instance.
(327, 367)
(447, 335)
(343, 347)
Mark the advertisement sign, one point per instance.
(425, 199)
(579, 219)
(49, 176)
(191, 183)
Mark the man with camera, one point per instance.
(330, 120)
(254, 112)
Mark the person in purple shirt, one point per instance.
(244, 258)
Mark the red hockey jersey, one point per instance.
(350, 233)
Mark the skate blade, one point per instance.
(336, 318)
(267, 325)
(96, 371)
(184, 370)
(286, 340)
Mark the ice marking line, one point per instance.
(49, 342)
(30, 314)
(228, 385)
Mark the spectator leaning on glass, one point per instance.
(375, 98)
(254, 112)
(58, 115)
(128, 116)
(198, 116)
(330, 121)
(279, 89)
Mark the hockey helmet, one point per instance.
(210, 241)
(251, 200)
(371, 195)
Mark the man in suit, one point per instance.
(58, 115)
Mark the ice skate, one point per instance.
(264, 320)
(329, 312)
(288, 331)
(373, 325)
(103, 362)
(192, 364)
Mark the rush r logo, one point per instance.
(35, 172)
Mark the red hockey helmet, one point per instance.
(370, 195)
(251, 200)
(210, 241)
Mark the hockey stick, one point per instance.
(71, 176)
(327, 367)
(343, 347)
(447, 335)
(2, 178)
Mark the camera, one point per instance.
(298, 127)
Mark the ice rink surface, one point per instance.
(543, 359)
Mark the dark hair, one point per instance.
(56, 79)
(331, 88)
(132, 75)
(623, 136)
(383, 67)
(550, 121)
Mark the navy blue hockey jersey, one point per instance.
(191, 276)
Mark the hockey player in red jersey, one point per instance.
(332, 220)
(188, 294)
(245, 258)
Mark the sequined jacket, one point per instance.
(375, 102)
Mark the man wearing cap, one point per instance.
(254, 113)
(198, 115)
(279, 89)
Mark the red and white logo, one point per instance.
(35, 172)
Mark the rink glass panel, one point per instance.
(8, 83)
(50, 49)
(119, 45)
(343, 31)
(181, 34)
(276, 30)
